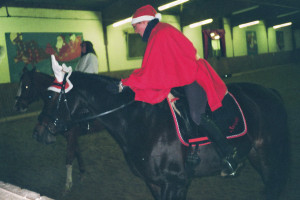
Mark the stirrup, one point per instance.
(231, 167)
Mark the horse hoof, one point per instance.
(66, 191)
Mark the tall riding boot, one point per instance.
(223, 148)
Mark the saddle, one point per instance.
(231, 120)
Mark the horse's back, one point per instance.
(263, 108)
(267, 100)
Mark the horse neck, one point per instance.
(120, 123)
(88, 93)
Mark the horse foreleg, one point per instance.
(172, 191)
(71, 152)
(169, 191)
(155, 190)
(77, 153)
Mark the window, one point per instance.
(135, 46)
(214, 43)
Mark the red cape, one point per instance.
(169, 61)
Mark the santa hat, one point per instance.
(59, 73)
(145, 13)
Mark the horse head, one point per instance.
(26, 93)
(32, 86)
(63, 110)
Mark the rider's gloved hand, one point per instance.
(122, 87)
(116, 88)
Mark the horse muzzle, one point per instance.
(43, 135)
(20, 106)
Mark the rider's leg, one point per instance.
(223, 148)
(197, 100)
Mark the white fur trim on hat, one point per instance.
(145, 18)
(158, 16)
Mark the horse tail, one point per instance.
(276, 93)
(279, 151)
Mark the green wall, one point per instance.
(195, 36)
(287, 38)
(297, 38)
(49, 20)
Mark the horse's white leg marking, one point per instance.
(69, 177)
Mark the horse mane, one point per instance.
(91, 81)
(33, 73)
(95, 87)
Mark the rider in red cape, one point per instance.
(170, 60)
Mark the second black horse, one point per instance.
(32, 87)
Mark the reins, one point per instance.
(62, 97)
(103, 114)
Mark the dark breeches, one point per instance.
(197, 100)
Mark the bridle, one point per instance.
(55, 121)
(64, 125)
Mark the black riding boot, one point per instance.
(223, 148)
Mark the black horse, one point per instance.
(32, 87)
(147, 136)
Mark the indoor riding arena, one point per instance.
(270, 59)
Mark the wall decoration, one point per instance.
(33, 50)
(280, 40)
(251, 42)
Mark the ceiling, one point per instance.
(271, 11)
